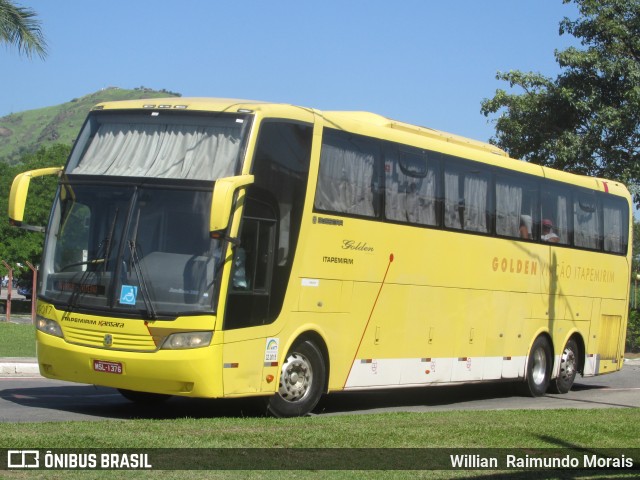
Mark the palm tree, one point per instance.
(18, 26)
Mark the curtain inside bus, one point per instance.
(161, 151)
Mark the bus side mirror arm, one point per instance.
(19, 191)
(222, 202)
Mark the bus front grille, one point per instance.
(110, 340)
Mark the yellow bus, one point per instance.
(230, 248)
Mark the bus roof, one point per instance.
(183, 103)
(379, 120)
(223, 104)
(363, 119)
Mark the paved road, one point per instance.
(35, 399)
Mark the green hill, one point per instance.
(27, 131)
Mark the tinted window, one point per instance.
(411, 185)
(466, 197)
(348, 177)
(616, 224)
(556, 222)
(271, 224)
(586, 221)
(516, 207)
(422, 187)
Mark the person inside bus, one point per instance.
(548, 235)
(525, 226)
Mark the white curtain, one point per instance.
(613, 234)
(586, 224)
(344, 181)
(562, 220)
(475, 202)
(508, 209)
(410, 199)
(452, 200)
(162, 151)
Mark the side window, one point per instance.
(348, 178)
(586, 221)
(516, 207)
(616, 224)
(253, 257)
(411, 185)
(271, 225)
(466, 197)
(555, 224)
(281, 167)
(250, 295)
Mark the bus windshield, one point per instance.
(142, 250)
(129, 229)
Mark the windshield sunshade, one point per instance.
(151, 144)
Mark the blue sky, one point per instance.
(425, 62)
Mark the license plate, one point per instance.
(107, 367)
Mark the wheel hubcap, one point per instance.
(296, 378)
(568, 364)
(539, 366)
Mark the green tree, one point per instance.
(587, 119)
(18, 245)
(19, 27)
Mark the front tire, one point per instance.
(568, 369)
(539, 365)
(302, 381)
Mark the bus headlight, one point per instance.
(180, 341)
(47, 326)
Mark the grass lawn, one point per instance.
(562, 428)
(531, 429)
(17, 340)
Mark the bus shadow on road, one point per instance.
(407, 399)
(87, 402)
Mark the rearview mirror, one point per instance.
(222, 201)
(18, 195)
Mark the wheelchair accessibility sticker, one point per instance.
(128, 295)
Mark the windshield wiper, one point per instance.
(93, 261)
(109, 240)
(135, 260)
(144, 289)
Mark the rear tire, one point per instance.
(568, 369)
(538, 374)
(302, 381)
(144, 398)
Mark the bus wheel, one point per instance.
(538, 368)
(143, 398)
(568, 369)
(301, 382)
